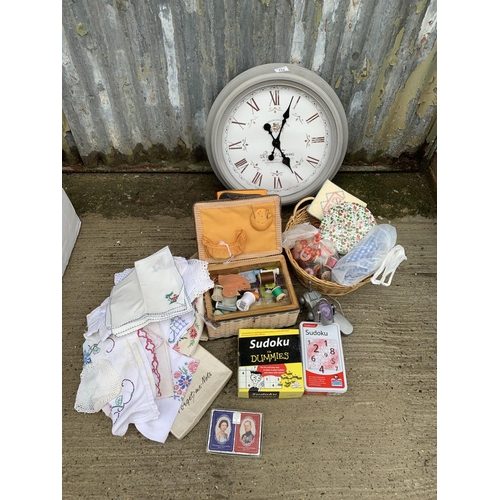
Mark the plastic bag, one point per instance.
(316, 255)
(366, 256)
(302, 231)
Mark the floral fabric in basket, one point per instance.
(346, 224)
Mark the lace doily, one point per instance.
(201, 277)
(99, 384)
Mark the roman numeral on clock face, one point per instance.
(257, 180)
(241, 124)
(312, 118)
(277, 183)
(243, 164)
(253, 104)
(275, 97)
(312, 161)
(236, 145)
(316, 140)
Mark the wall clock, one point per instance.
(278, 127)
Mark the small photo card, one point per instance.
(235, 432)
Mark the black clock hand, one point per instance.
(275, 142)
(286, 115)
(277, 145)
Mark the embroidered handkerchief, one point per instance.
(154, 291)
(188, 343)
(183, 369)
(156, 350)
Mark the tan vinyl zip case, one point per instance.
(237, 236)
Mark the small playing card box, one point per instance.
(235, 432)
(243, 237)
(269, 363)
(322, 358)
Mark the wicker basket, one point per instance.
(260, 256)
(328, 288)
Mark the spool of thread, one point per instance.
(266, 277)
(330, 262)
(217, 293)
(247, 300)
(224, 307)
(275, 271)
(229, 301)
(278, 293)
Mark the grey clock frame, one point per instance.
(301, 78)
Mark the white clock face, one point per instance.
(260, 153)
(277, 127)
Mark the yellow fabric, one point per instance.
(224, 250)
(221, 226)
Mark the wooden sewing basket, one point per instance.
(266, 315)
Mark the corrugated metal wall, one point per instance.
(139, 76)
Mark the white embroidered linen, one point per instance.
(195, 275)
(99, 384)
(188, 343)
(96, 321)
(156, 350)
(154, 291)
(183, 369)
(135, 400)
(140, 344)
(144, 388)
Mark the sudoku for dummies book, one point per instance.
(269, 363)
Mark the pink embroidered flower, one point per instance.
(193, 332)
(193, 365)
(177, 374)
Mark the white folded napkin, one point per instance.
(153, 291)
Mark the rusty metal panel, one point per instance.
(139, 77)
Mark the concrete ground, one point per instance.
(376, 441)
